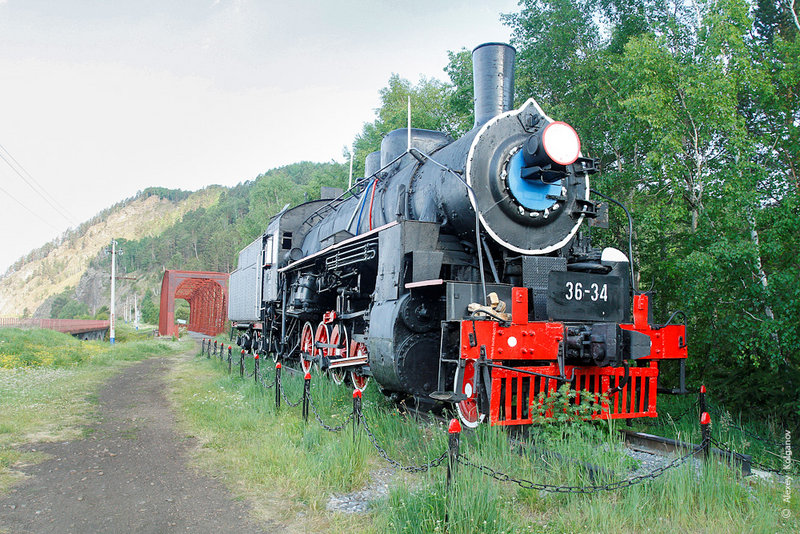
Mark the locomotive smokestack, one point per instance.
(493, 78)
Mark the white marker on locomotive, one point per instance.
(460, 271)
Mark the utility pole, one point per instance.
(112, 314)
(135, 312)
(113, 284)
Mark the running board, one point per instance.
(346, 362)
(448, 396)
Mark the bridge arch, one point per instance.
(207, 295)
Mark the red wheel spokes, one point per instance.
(338, 374)
(306, 347)
(468, 409)
(358, 350)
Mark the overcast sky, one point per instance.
(100, 98)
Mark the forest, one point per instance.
(692, 109)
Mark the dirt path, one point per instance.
(130, 475)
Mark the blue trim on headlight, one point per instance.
(530, 193)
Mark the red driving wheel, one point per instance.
(468, 409)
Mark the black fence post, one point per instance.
(356, 412)
(278, 385)
(230, 358)
(453, 442)
(203, 347)
(306, 393)
(241, 364)
(705, 423)
(255, 368)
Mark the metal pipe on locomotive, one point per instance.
(460, 271)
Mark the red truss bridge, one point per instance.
(207, 295)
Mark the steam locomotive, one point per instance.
(460, 271)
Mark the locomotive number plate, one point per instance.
(573, 296)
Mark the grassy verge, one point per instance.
(48, 382)
(290, 469)
(763, 439)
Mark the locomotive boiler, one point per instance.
(460, 271)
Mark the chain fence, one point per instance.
(264, 383)
(323, 424)
(741, 457)
(394, 463)
(356, 416)
(722, 413)
(612, 486)
(286, 399)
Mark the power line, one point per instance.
(42, 192)
(48, 223)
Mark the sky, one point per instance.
(100, 99)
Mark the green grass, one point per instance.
(271, 454)
(760, 438)
(288, 468)
(50, 391)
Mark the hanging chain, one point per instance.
(408, 468)
(322, 423)
(286, 399)
(264, 383)
(741, 457)
(744, 431)
(620, 484)
(661, 420)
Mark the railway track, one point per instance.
(642, 442)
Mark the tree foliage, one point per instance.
(693, 110)
(435, 105)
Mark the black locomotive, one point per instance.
(460, 271)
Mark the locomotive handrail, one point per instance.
(503, 322)
(557, 378)
(630, 233)
(474, 197)
(357, 185)
(669, 321)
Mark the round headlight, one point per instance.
(561, 143)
